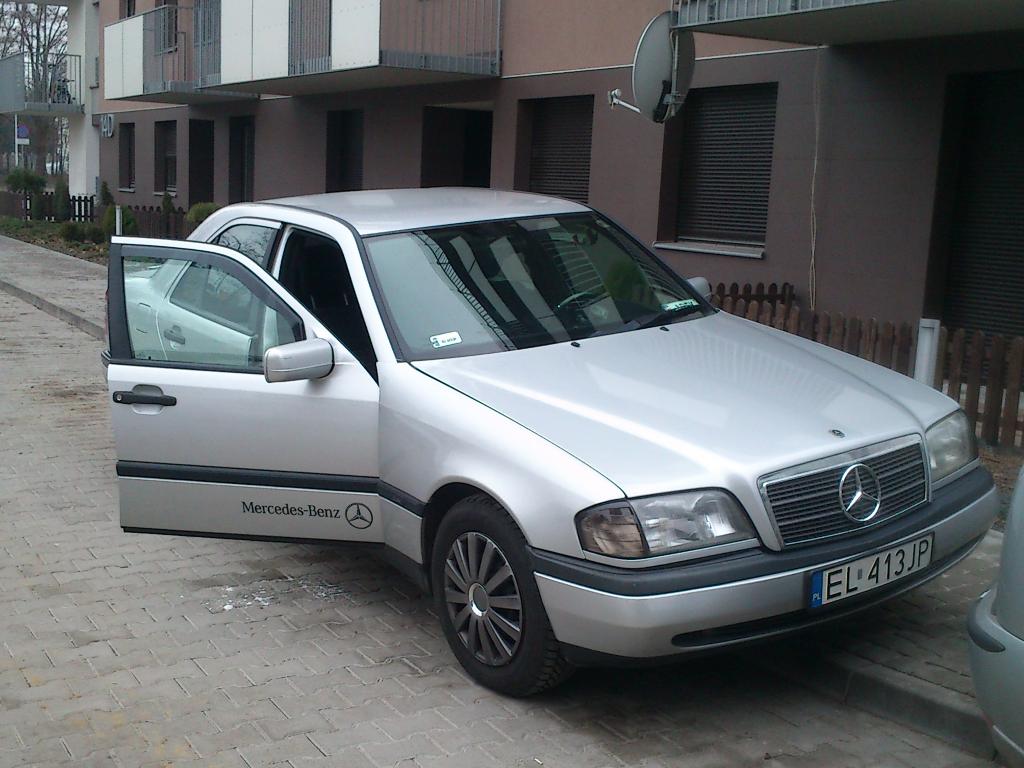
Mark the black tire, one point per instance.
(536, 663)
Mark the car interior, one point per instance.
(313, 270)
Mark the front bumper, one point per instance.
(997, 665)
(600, 612)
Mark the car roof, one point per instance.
(373, 212)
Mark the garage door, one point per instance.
(560, 151)
(985, 281)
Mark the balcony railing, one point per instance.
(692, 12)
(304, 46)
(50, 85)
(442, 35)
(166, 56)
(309, 36)
(206, 34)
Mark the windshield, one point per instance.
(493, 286)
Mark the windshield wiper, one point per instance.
(660, 317)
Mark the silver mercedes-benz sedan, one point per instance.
(563, 442)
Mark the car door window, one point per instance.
(314, 271)
(251, 240)
(206, 314)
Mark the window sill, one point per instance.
(171, 192)
(128, 190)
(715, 249)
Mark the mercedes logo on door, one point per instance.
(359, 516)
(860, 494)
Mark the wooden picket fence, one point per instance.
(153, 222)
(773, 293)
(984, 373)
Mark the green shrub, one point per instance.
(167, 205)
(199, 212)
(25, 181)
(38, 206)
(128, 224)
(105, 197)
(71, 232)
(94, 233)
(61, 202)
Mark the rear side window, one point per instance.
(203, 314)
(250, 240)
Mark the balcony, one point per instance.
(297, 47)
(837, 22)
(48, 86)
(152, 57)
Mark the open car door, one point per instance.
(205, 444)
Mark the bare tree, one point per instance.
(40, 33)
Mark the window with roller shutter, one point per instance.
(985, 278)
(726, 164)
(560, 147)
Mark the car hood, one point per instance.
(713, 401)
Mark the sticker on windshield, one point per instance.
(445, 339)
(672, 306)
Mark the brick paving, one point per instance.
(131, 650)
(923, 634)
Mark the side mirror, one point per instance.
(298, 361)
(701, 286)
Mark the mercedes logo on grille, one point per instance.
(860, 494)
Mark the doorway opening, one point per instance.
(200, 161)
(456, 147)
(344, 153)
(242, 159)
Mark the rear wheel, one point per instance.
(488, 602)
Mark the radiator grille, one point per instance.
(805, 505)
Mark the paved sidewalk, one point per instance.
(54, 280)
(193, 634)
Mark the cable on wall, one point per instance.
(812, 274)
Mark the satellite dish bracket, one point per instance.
(659, 87)
(615, 100)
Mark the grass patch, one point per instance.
(49, 235)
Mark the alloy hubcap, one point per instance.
(483, 599)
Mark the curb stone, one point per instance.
(910, 701)
(76, 321)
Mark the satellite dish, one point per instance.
(662, 70)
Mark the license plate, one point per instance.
(871, 572)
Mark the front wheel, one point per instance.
(488, 602)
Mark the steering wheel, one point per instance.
(581, 298)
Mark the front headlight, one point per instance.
(951, 445)
(661, 525)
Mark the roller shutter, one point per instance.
(985, 280)
(726, 164)
(560, 152)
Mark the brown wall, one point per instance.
(879, 116)
(545, 36)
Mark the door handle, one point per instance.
(136, 398)
(174, 334)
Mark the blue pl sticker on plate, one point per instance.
(816, 589)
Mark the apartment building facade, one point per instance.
(62, 81)
(867, 151)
